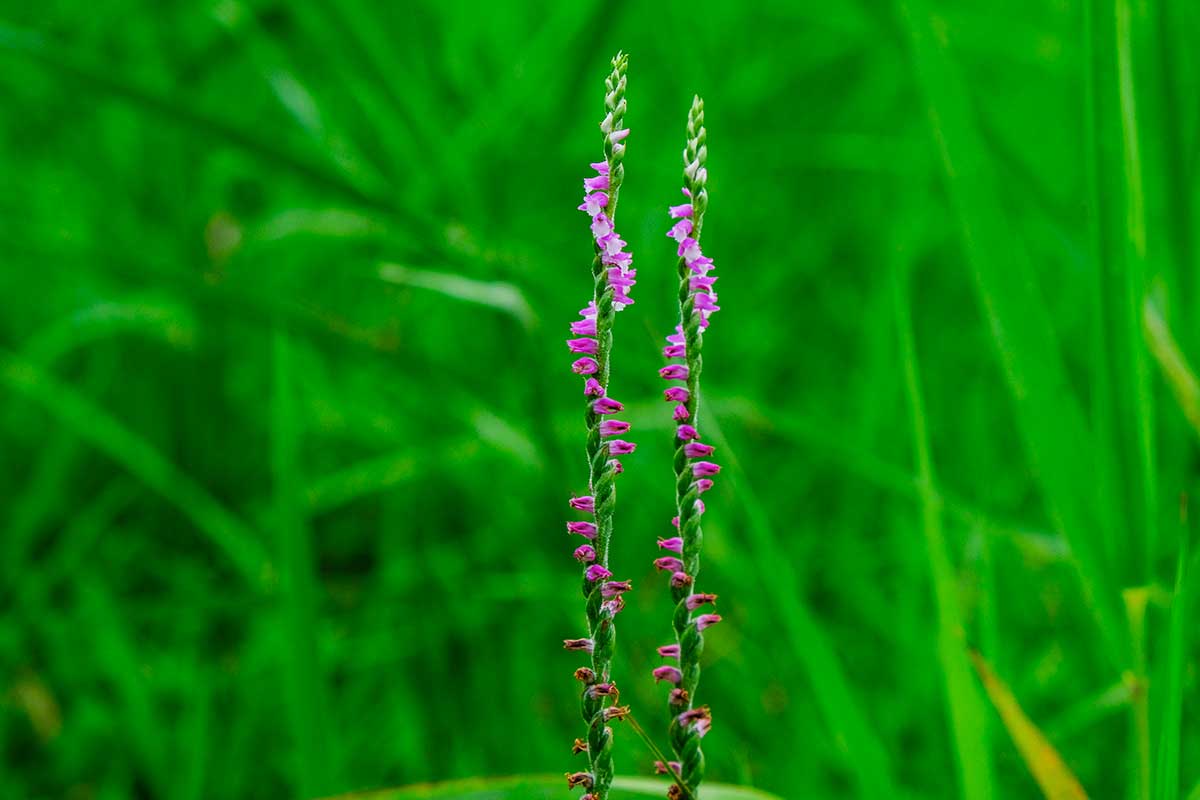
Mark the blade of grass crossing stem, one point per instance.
(1049, 770)
(101, 430)
(1048, 413)
(840, 709)
(1166, 776)
(1173, 363)
(303, 685)
(965, 711)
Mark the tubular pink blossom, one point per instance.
(606, 405)
(706, 302)
(598, 183)
(694, 601)
(588, 346)
(703, 485)
(584, 327)
(583, 503)
(614, 606)
(674, 544)
(592, 203)
(699, 506)
(613, 427)
(601, 225)
(680, 230)
(620, 259)
(668, 564)
(578, 644)
(585, 366)
(585, 529)
(592, 388)
(620, 447)
(612, 243)
(611, 589)
(585, 554)
(669, 651)
(686, 432)
(677, 212)
(706, 621)
(600, 167)
(669, 674)
(623, 278)
(689, 249)
(616, 465)
(702, 283)
(700, 265)
(676, 394)
(697, 450)
(680, 413)
(597, 572)
(681, 580)
(699, 718)
(674, 351)
(704, 469)
(675, 520)
(674, 372)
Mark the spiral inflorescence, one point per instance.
(613, 276)
(693, 473)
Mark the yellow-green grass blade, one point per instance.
(1172, 362)
(1052, 774)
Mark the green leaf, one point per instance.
(544, 786)
(1052, 774)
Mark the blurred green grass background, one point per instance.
(287, 425)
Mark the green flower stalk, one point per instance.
(693, 475)
(612, 277)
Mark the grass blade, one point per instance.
(102, 80)
(302, 681)
(1173, 363)
(100, 429)
(967, 720)
(841, 710)
(1048, 413)
(1049, 770)
(497, 295)
(1166, 781)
